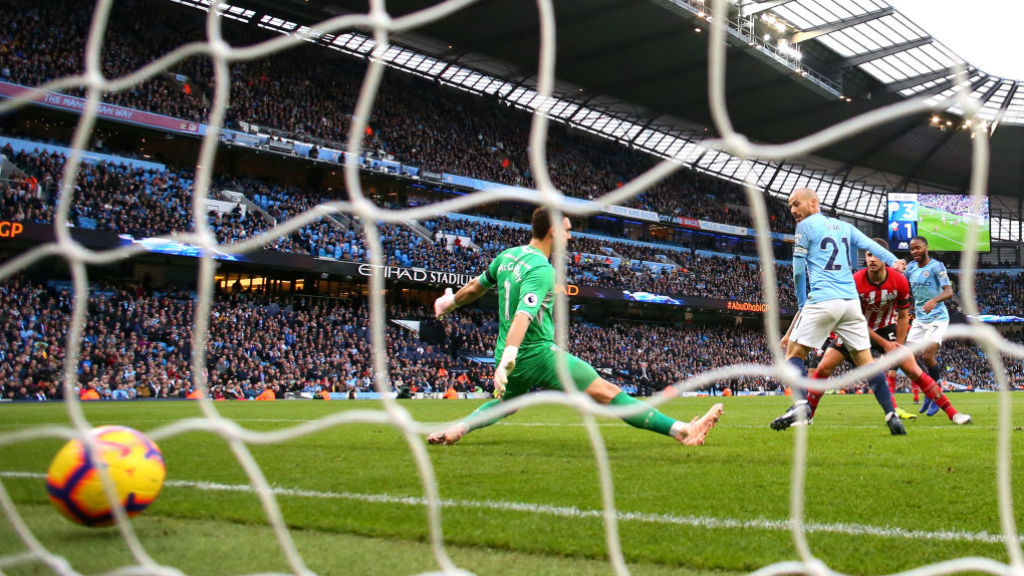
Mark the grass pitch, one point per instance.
(952, 235)
(522, 497)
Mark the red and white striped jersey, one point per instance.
(881, 301)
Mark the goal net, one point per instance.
(240, 440)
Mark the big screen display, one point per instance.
(941, 218)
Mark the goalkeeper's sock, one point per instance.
(881, 389)
(649, 419)
(933, 391)
(485, 407)
(891, 381)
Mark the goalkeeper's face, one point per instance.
(566, 229)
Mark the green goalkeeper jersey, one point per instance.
(526, 282)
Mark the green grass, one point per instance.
(938, 478)
(954, 234)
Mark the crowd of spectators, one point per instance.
(997, 292)
(311, 93)
(43, 41)
(147, 202)
(137, 344)
(704, 276)
(655, 356)
(953, 204)
(150, 202)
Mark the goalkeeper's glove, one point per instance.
(505, 367)
(445, 304)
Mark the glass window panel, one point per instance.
(836, 11)
(865, 37)
(873, 69)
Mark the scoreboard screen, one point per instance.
(941, 218)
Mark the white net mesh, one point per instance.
(546, 194)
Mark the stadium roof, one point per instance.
(637, 72)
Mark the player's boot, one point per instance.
(933, 408)
(699, 427)
(960, 419)
(892, 420)
(799, 412)
(904, 415)
(925, 405)
(450, 435)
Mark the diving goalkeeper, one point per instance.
(525, 350)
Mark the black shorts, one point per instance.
(887, 332)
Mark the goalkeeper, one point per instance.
(525, 351)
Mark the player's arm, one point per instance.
(860, 240)
(878, 340)
(946, 294)
(537, 284)
(472, 291)
(799, 278)
(903, 301)
(517, 331)
(902, 325)
(789, 331)
(507, 363)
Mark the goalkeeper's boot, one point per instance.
(450, 435)
(925, 405)
(697, 430)
(933, 409)
(904, 415)
(960, 419)
(892, 420)
(799, 412)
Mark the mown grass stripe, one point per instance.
(842, 528)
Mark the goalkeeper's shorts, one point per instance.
(538, 369)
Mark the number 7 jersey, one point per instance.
(526, 283)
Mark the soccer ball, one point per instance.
(135, 465)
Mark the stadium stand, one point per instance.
(146, 202)
(137, 346)
(414, 122)
(313, 98)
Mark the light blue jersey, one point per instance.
(824, 252)
(926, 282)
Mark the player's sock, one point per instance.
(935, 372)
(891, 381)
(649, 419)
(799, 392)
(881, 389)
(934, 392)
(814, 396)
(482, 409)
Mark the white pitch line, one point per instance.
(708, 522)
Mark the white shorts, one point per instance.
(843, 317)
(927, 331)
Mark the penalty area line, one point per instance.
(708, 522)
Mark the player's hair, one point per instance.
(541, 222)
(882, 242)
(921, 238)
